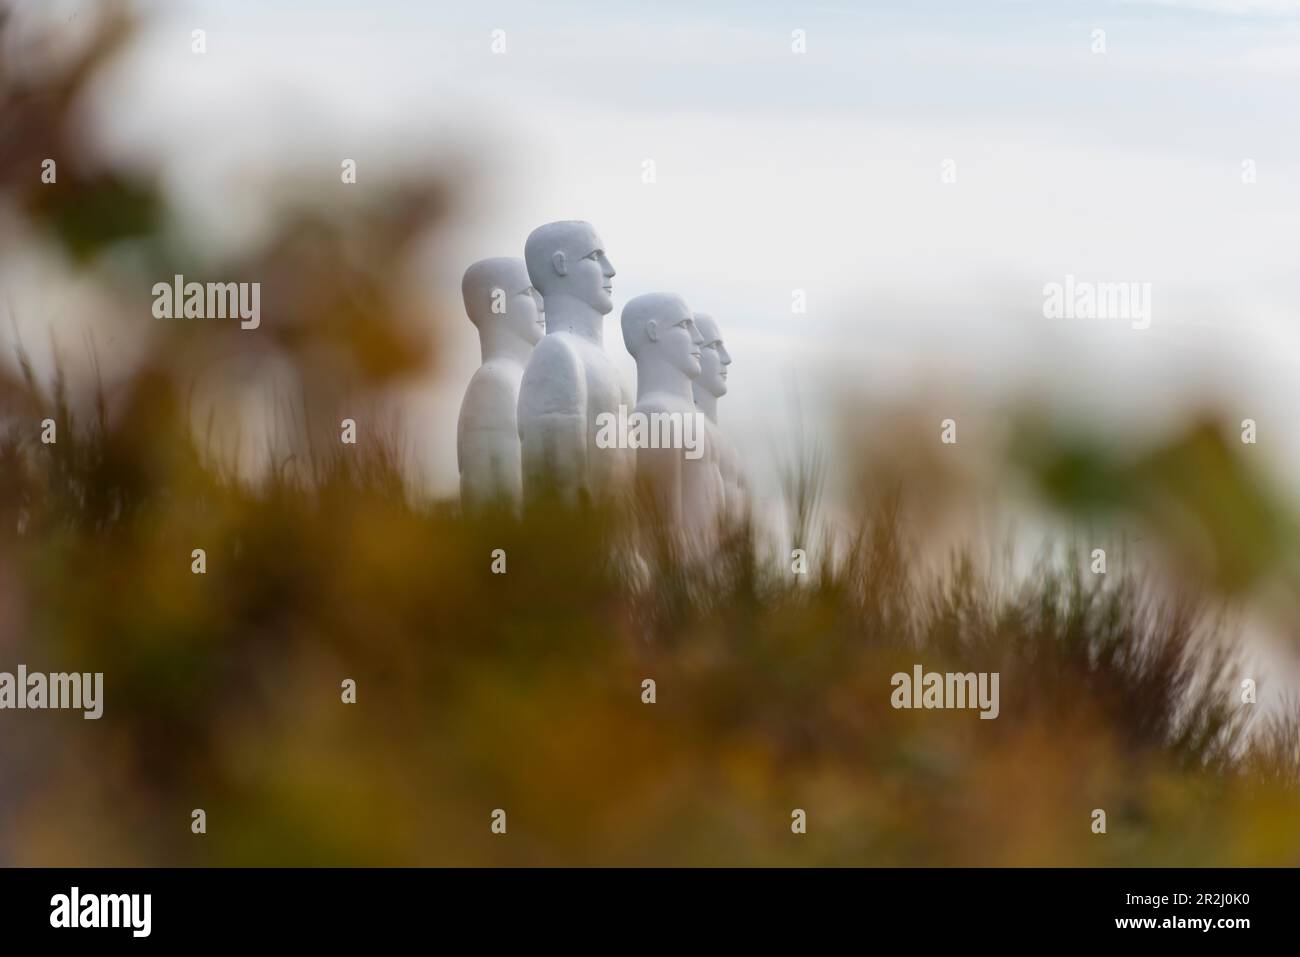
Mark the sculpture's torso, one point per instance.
(730, 476)
(703, 491)
(569, 382)
(678, 490)
(487, 437)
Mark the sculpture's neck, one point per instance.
(504, 347)
(655, 375)
(566, 314)
(707, 403)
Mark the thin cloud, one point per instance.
(1234, 7)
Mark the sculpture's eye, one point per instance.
(594, 255)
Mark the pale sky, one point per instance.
(819, 172)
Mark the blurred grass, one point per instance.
(522, 691)
(1221, 518)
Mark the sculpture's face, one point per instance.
(525, 312)
(583, 270)
(714, 357)
(678, 339)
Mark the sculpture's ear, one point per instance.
(652, 330)
(561, 267)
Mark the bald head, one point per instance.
(660, 325)
(567, 259)
(500, 300)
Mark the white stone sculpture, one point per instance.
(507, 311)
(708, 387)
(570, 379)
(672, 460)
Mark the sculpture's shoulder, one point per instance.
(554, 377)
(491, 396)
(493, 378)
(557, 352)
(656, 403)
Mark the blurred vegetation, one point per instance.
(1223, 521)
(523, 691)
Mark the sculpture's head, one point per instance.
(499, 296)
(661, 323)
(568, 259)
(714, 357)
